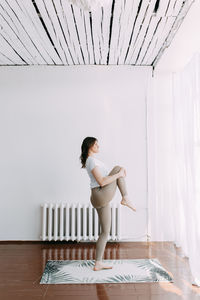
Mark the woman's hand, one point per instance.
(122, 172)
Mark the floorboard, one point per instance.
(22, 265)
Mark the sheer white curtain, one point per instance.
(174, 160)
(186, 175)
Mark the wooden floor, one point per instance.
(22, 265)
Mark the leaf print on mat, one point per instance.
(155, 269)
(50, 268)
(123, 271)
(86, 263)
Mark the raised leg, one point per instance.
(102, 196)
(120, 182)
(123, 190)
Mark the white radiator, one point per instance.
(64, 221)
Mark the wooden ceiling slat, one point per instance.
(68, 38)
(5, 12)
(57, 34)
(174, 28)
(89, 38)
(79, 21)
(41, 34)
(154, 40)
(120, 33)
(92, 38)
(68, 9)
(169, 21)
(38, 33)
(138, 25)
(15, 35)
(10, 52)
(110, 31)
(11, 38)
(156, 31)
(44, 13)
(96, 17)
(163, 8)
(140, 13)
(127, 21)
(171, 11)
(77, 32)
(177, 7)
(106, 31)
(5, 60)
(119, 4)
(26, 33)
(153, 27)
(85, 37)
(62, 31)
(35, 33)
(46, 32)
(142, 35)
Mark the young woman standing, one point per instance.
(103, 186)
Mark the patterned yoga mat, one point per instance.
(123, 271)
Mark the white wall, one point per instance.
(45, 113)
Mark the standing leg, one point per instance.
(104, 214)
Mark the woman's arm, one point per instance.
(104, 180)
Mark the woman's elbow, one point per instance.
(102, 183)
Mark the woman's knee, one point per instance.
(105, 234)
(117, 168)
(106, 230)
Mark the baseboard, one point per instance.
(63, 242)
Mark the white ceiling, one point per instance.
(54, 32)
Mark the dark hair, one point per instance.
(86, 144)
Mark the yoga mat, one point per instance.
(123, 271)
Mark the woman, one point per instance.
(103, 186)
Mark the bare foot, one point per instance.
(100, 266)
(125, 201)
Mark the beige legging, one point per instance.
(100, 199)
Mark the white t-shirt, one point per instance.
(92, 162)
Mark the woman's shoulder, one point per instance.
(89, 158)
